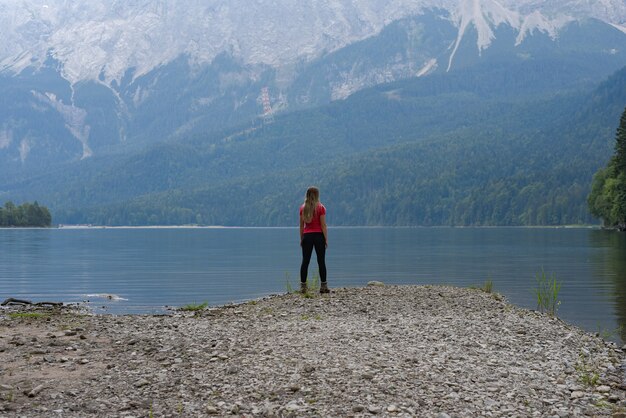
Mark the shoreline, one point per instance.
(390, 351)
(82, 227)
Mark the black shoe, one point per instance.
(324, 288)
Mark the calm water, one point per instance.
(151, 268)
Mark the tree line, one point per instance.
(25, 215)
(607, 199)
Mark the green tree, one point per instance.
(27, 214)
(607, 199)
(620, 145)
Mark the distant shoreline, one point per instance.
(63, 226)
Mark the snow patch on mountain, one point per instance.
(24, 149)
(538, 22)
(102, 39)
(74, 118)
(6, 137)
(482, 14)
(619, 27)
(429, 67)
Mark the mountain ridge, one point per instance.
(101, 40)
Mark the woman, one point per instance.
(313, 234)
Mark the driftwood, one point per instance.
(13, 301)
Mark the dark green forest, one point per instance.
(607, 199)
(433, 151)
(24, 215)
(527, 163)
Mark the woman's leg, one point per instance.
(307, 250)
(320, 251)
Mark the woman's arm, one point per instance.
(324, 228)
(301, 229)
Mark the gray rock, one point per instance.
(373, 409)
(577, 394)
(375, 283)
(141, 383)
(35, 391)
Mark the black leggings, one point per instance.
(310, 240)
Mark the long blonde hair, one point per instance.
(311, 200)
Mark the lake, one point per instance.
(151, 268)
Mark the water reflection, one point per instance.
(611, 265)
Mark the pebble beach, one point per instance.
(393, 351)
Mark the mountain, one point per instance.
(148, 112)
(79, 80)
(487, 161)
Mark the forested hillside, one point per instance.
(607, 199)
(394, 155)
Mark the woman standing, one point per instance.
(313, 234)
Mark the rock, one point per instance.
(603, 389)
(392, 408)
(211, 410)
(577, 394)
(375, 283)
(358, 408)
(372, 409)
(292, 406)
(141, 383)
(35, 391)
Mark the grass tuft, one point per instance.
(312, 284)
(547, 292)
(16, 315)
(487, 286)
(587, 374)
(194, 307)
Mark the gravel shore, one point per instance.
(424, 351)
